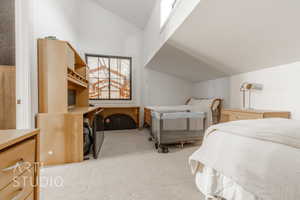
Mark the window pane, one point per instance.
(109, 77)
(120, 78)
(99, 78)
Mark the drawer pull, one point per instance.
(15, 166)
(18, 195)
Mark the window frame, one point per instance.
(112, 57)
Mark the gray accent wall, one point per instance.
(7, 32)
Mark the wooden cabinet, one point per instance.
(7, 97)
(18, 154)
(19, 166)
(61, 69)
(239, 114)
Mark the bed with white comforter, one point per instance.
(250, 160)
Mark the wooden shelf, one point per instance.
(77, 78)
(79, 62)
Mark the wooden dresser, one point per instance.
(19, 166)
(240, 114)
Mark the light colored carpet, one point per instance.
(128, 169)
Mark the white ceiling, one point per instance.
(136, 12)
(237, 36)
(173, 61)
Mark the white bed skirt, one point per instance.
(213, 184)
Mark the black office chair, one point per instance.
(98, 134)
(87, 137)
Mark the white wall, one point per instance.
(154, 37)
(102, 32)
(26, 87)
(164, 89)
(218, 88)
(58, 18)
(37, 19)
(280, 89)
(280, 92)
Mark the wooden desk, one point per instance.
(240, 114)
(62, 135)
(19, 147)
(84, 110)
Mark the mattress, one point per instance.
(213, 184)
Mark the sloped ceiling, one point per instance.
(176, 62)
(237, 36)
(136, 12)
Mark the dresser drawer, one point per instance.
(20, 188)
(15, 161)
(244, 116)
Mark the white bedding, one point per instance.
(265, 164)
(214, 184)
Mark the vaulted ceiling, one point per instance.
(136, 12)
(235, 36)
(176, 62)
(238, 36)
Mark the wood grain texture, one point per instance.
(52, 67)
(12, 137)
(239, 114)
(14, 146)
(61, 68)
(84, 110)
(62, 135)
(53, 144)
(24, 151)
(7, 97)
(24, 187)
(74, 138)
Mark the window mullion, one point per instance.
(109, 79)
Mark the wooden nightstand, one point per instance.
(240, 114)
